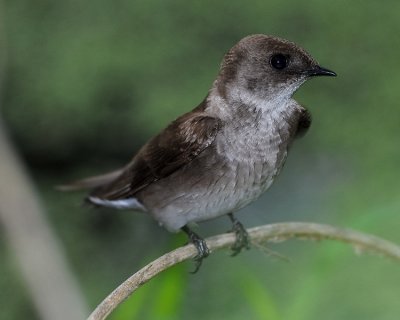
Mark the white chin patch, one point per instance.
(130, 203)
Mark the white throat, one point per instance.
(271, 103)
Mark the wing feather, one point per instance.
(181, 142)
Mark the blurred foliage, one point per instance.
(87, 83)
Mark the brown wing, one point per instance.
(173, 148)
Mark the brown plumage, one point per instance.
(190, 134)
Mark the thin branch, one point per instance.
(267, 233)
(38, 252)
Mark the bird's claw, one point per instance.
(201, 246)
(202, 250)
(242, 237)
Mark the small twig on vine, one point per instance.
(267, 233)
(269, 252)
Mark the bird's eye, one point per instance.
(279, 61)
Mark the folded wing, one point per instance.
(181, 142)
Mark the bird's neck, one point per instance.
(239, 103)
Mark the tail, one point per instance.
(91, 182)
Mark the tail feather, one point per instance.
(91, 182)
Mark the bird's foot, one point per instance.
(242, 237)
(200, 245)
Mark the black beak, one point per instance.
(319, 71)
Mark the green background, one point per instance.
(88, 82)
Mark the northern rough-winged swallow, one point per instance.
(226, 152)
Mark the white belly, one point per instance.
(239, 181)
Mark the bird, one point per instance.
(223, 154)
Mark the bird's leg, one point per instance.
(242, 237)
(200, 245)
